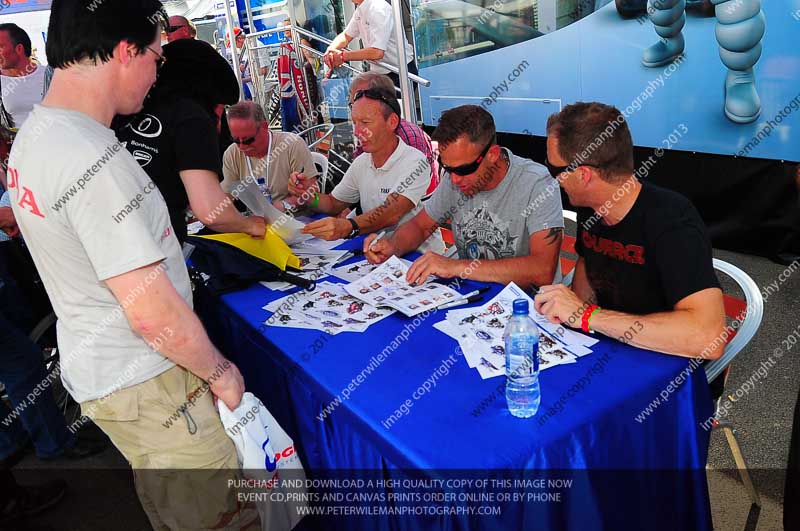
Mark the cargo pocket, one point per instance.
(122, 405)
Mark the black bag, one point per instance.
(228, 268)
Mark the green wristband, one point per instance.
(589, 320)
(315, 202)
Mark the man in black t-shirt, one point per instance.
(644, 257)
(175, 138)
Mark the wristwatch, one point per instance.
(356, 231)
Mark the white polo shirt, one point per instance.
(406, 172)
(21, 93)
(373, 22)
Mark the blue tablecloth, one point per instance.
(628, 473)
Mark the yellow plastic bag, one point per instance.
(271, 249)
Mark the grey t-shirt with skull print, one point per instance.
(498, 223)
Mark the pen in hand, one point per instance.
(373, 242)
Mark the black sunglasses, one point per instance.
(173, 29)
(376, 95)
(555, 171)
(467, 169)
(161, 59)
(247, 141)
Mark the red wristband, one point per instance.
(587, 314)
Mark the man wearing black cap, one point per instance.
(175, 137)
(388, 179)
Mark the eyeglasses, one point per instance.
(248, 141)
(376, 95)
(161, 59)
(555, 171)
(173, 29)
(467, 169)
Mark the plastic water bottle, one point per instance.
(262, 186)
(522, 362)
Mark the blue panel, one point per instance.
(510, 115)
(334, 92)
(8, 7)
(598, 58)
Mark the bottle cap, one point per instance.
(521, 307)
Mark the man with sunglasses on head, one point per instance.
(389, 179)
(487, 197)
(409, 133)
(644, 255)
(180, 28)
(269, 156)
(132, 351)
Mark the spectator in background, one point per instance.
(409, 133)
(244, 64)
(131, 347)
(23, 83)
(269, 156)
(174, 137)
(373, 22)
(180, 28)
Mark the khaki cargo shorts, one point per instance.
(182, 459)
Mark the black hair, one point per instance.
(196, 71)
(471, 121)
(91, 29)
(18, 36)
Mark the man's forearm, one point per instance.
(408, 237)
(181, 337)
(374, 220)
(675, 332)
(326, 205)
(228, 219)
(365, 54)
(339, 42)
(522, 270)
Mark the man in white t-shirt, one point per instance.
(132, 351)
(373, 22)
(23, 82)
(388, 179)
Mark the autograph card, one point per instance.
(356, 271)
(329, 308)
(387, 285)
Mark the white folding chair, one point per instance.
(318, 135)
(321, 161)
(568, 249)
(754, 313)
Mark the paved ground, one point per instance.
(102, 495)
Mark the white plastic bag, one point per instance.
(264, 451)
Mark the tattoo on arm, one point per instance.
(554, 235)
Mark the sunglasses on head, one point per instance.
(555, 171)
(247, 141)
(376, 95)
(467, 169)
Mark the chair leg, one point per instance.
(738, 457)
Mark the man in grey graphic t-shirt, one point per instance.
(505, 210)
